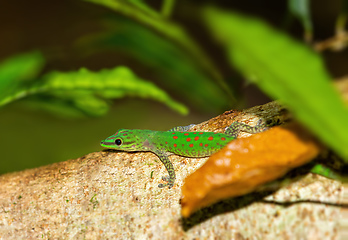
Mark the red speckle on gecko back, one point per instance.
(210, 138)
(175, 137)
(188, 139)
(196, 138)
(191, 145)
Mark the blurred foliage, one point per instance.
(176, 70)
(286, 70)
(168, 30)
(79, 92)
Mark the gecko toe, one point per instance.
(169, 183)
(166, 178)
(161, 185)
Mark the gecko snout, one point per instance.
(103, 143)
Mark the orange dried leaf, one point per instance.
(246, 163)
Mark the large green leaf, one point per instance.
(286, 70)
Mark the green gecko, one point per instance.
(177, 141)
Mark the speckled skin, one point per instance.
(175, 141)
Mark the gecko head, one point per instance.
(123, 139)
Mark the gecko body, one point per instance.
(176, 141)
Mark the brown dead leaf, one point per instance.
(246, 163)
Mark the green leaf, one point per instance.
(329, 173)
(286, 70)
(18, 70)
(88, 91)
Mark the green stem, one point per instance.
(22, 94)
(167, 8)
(340, 23)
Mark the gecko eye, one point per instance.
(118, 142)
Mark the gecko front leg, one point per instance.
(163, 156)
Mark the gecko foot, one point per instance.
(264, 126)
(267, 125)
(236, 127)
(170, 182)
